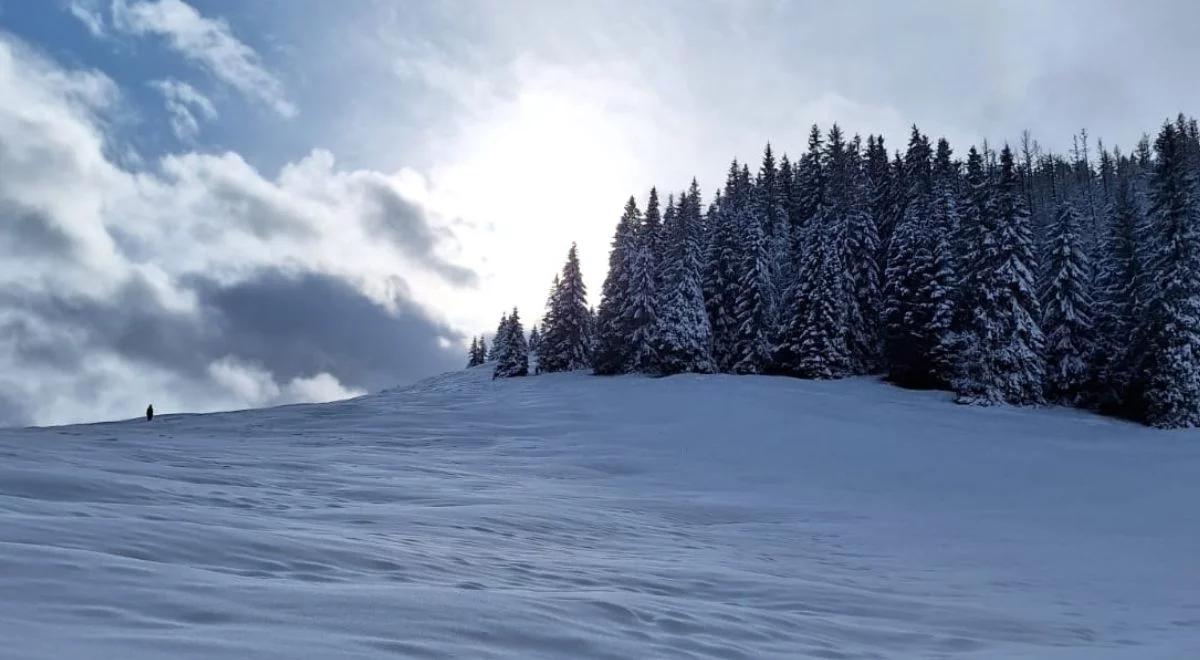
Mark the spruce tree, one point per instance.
(1121, 283)
(683, 338)
(753, 313)
(534, 340)
(860, 258)
(722, 272)
(641, 314)
(770, 205)
(908, 305)
(1004, 363)
(513, 358)
(473, 353)
(564, 339)
(1067, 310)
(1165, 385)
(498, 339)
(611, 352)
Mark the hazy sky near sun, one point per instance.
(222, 204)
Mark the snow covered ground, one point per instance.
(573, 516)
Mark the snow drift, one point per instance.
(574, 516)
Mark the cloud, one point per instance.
(206, 41)
(198, 283)
(183, 104)
(89, 15)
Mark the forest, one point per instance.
(1018, 276)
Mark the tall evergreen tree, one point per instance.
(612, 354)
(641, 314)
(1067, 310)
(564, 343)
(683, 337)
(1121, 283)
(860, 257)
(753, 312)
(914, 325)
(1166, 382)
(722, 271)
(513, 358)
(498, 339)
(473, 353)
(1005, 363)
(770, 205)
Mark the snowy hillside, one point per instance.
(573, 516)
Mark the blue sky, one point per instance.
(172, 169)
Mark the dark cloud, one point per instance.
(293, 325)
(298, 325)
(27, 231)
(406, 225)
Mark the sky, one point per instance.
(217, 205)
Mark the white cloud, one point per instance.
(89, 15)
(183, 104)
(85, 233)
(252, 385)
(206, 41)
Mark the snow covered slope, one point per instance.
(573, 516)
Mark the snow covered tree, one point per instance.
(534, 340)
(682, 339)
(722, 271)
(808, 192)
(611, 352)
(860, 257)
(513, 357)
(641, 314)
(473, 353)
(916, 293)
(651, 235)
(498, 339)
(1067, 310)
(770, 205)
(1165, 385)
(1004, 362)
(1119, 296)
(564, 343)
(753, 313)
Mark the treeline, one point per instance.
(1019, 277)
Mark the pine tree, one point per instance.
(1119, 299)
(753, 313)
(808, 192)
(641, 314)
(770, 205)
(564, 341)
(683, 336)
(612, 333)
(721, 273)
(1005, 359)
(513, 358)
(909, 303)
(651, 235)
(473, 353)
(1165, 385)
(860, 259)
(534, 340)
(498, 339)
(1067, 310)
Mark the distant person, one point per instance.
(150, 412)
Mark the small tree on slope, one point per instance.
(564, 344)
(513, 359)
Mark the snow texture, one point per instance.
(575, 516)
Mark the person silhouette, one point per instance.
(150, 412)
